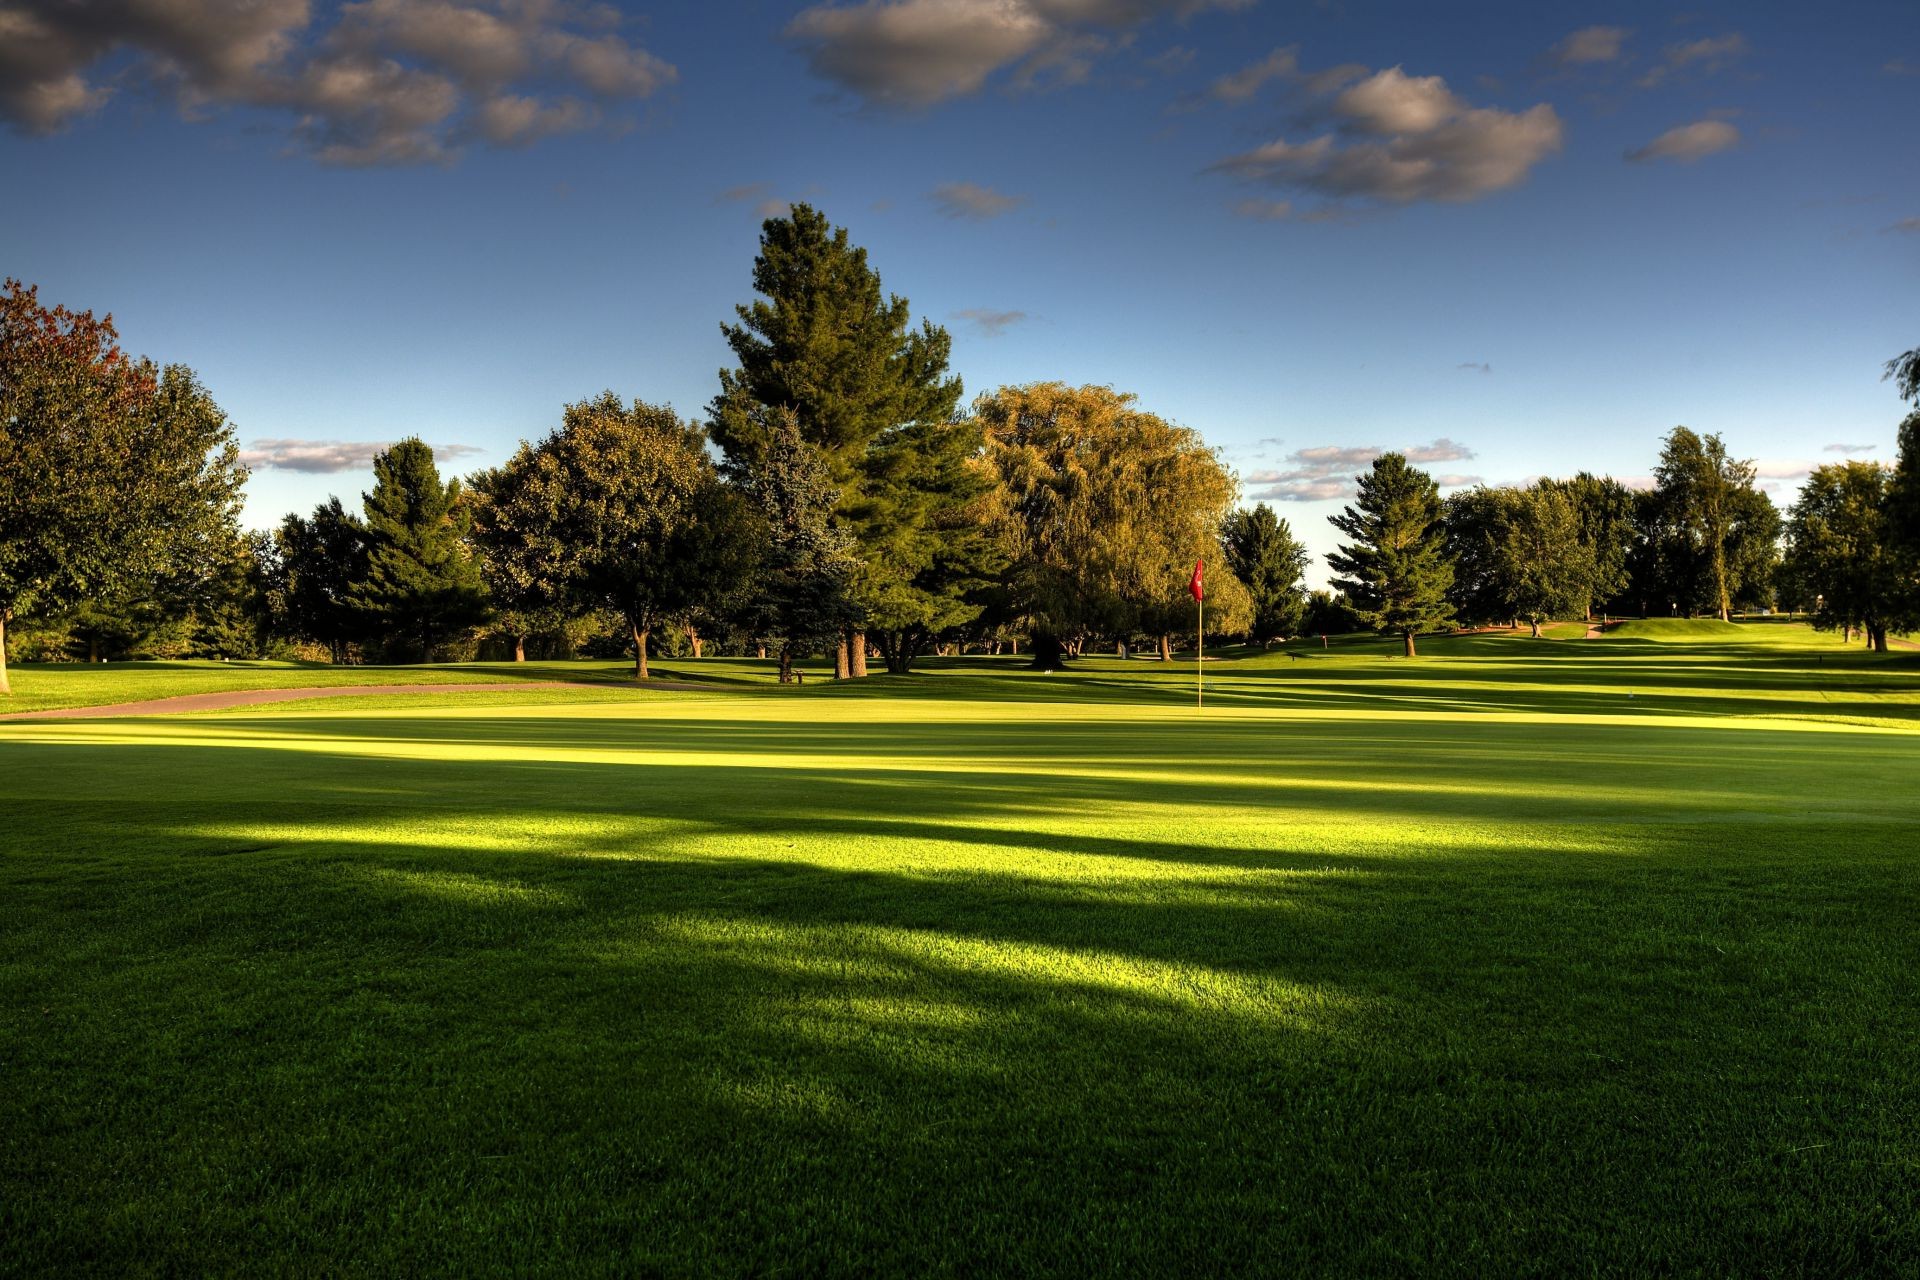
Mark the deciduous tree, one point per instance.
(111, 469)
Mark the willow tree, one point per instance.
(113, 471)
(826, 342)
(1395, 571)
(1107, 507)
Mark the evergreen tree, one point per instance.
(421, 583)
(803, 593)
(319, 560)
(1395, 572)
(825, 341)
(1264, 554)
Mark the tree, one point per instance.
(1904, 372)
(924, 523)
(1604, 515)
(634, 515)
(1395, 572)
(804, 590)
(420, 583)
(1264, 554)
(1545, 568)
(320, 559)
(1475, 523)
(1105, 506)
(1839, 552)
(1701, 491)
(825, 341)
(527, 568)
(111, 469)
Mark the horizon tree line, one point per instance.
(839, 500)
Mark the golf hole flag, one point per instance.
(1194, 585)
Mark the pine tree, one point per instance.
(825, 341)
(1395, 572)
(804, 589)
(421, 582)
(1264, 554)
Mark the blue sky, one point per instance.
(1524, 239)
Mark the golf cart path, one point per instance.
(254, 697)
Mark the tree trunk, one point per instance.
(5, 687)
(695, 639)
(1166, 647)
(640, 653)
(786, 664)
(1410, 644)
(857, 652)
(1013, 646)
(761, 650)
(1877, 635)
(1048, 653)
(519, 648)
(93, 649)
(841, 671)
(1536, 628)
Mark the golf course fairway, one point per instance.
(1551, 957)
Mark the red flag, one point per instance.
(1193, 584)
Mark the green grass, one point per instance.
(1583, 958)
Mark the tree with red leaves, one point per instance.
(111, 469)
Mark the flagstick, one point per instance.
(1200, 658)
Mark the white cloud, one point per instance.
(1589, 45)
(1782, 470)
(1706, 55)
(1392, 102)
(1849, 448)
(989, 323)
(1475, 366)
(1401, 138)
(914, 53)
(1238, 86)
(1689, 142)
(973, 202)
(1326, 472)
(388, 82)
(320, 457)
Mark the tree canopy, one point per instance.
(1395, 572)
(1264, 555)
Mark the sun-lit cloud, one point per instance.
(1705, 55)
(915, 53)
(373, 82)
(1326, 472)
(1905, 226)
(1398, 138)
(322, 457)
(1849, 448)
(989, 323)
(973, 202)
(1689, 142)
(1589, 45)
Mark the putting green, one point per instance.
(1529, 956)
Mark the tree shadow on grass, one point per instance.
(337, 1010)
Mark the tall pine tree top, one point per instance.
(1395, 572)
(420, 582)
(825, 341)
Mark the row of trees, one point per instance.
(1703, 540)
(838, 498)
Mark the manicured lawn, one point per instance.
(1584, 957)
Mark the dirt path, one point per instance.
(254, 697)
